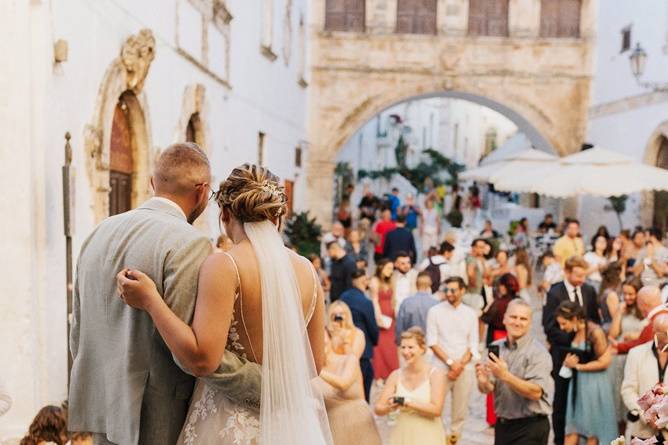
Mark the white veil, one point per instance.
(292, 411)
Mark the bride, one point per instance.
(261, 301)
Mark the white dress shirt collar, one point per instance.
(570, 288)
(173, 204)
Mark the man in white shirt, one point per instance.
(405, 278)
(452, 334)
(645, 367)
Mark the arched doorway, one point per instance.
(121, 162)
(194, 130)
(660, 218)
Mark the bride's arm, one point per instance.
(316, 331)
(348, 376)
(198, 348)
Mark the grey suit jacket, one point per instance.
(124, 381)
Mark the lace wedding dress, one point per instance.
(292, 409)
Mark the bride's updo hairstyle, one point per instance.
(253, 194)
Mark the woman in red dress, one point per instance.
(507, 288)
(385, 357)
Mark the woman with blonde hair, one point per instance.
(417, 390)
(350, 417)
(340, 324)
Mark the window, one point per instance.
(267, 37)
(298, 156)
(626, 39)
(455, 138)
(490, 141)
(344, 15)
(560, 18)
(290, 192)
(301, 55)
(260, 148)
(194, 129)
(203, 35)
(287, 32)
(416, 16)
(488, 17)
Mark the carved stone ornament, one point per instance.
(136, 55)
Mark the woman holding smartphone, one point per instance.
(417, 390)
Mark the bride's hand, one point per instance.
(136, 289)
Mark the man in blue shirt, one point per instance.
(364, 318)
(395, 202)
(413, 310)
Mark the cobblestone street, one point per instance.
(476, 431)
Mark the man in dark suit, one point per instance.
(341, 270)
(400, 240)
(573, 288)
(364, 318)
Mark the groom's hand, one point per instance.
(136, 289)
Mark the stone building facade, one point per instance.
(531, 60)
(125, 79)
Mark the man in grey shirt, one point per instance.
(520, 378)
(413, 310)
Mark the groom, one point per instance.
(125, 386)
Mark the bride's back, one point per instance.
(248, 305)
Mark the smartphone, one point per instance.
(493, 349)
(399, 400)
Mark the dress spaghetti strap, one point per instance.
(314, 299)
(239, 295)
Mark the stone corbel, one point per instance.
(137, 53)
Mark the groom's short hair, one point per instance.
(179, 167)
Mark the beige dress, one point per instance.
(350, 417)
(413, 428)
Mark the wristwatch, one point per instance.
(449, 362)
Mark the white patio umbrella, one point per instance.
(513, 165)
(515, 144)
(596, 172)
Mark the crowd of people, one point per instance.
(439, 321)
(417, 324)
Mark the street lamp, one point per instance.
(638, 60)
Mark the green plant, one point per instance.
(304, 233)
(617, 205)
(417, 175)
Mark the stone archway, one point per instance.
(542, 84)
(124, 78)
(655, 154)
(540, 127)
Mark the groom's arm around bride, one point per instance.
(125, 386)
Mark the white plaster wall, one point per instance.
(40, 101)
(629, 128)
(648, 19)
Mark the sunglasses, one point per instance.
(447, 290)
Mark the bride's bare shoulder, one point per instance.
(218, 263)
